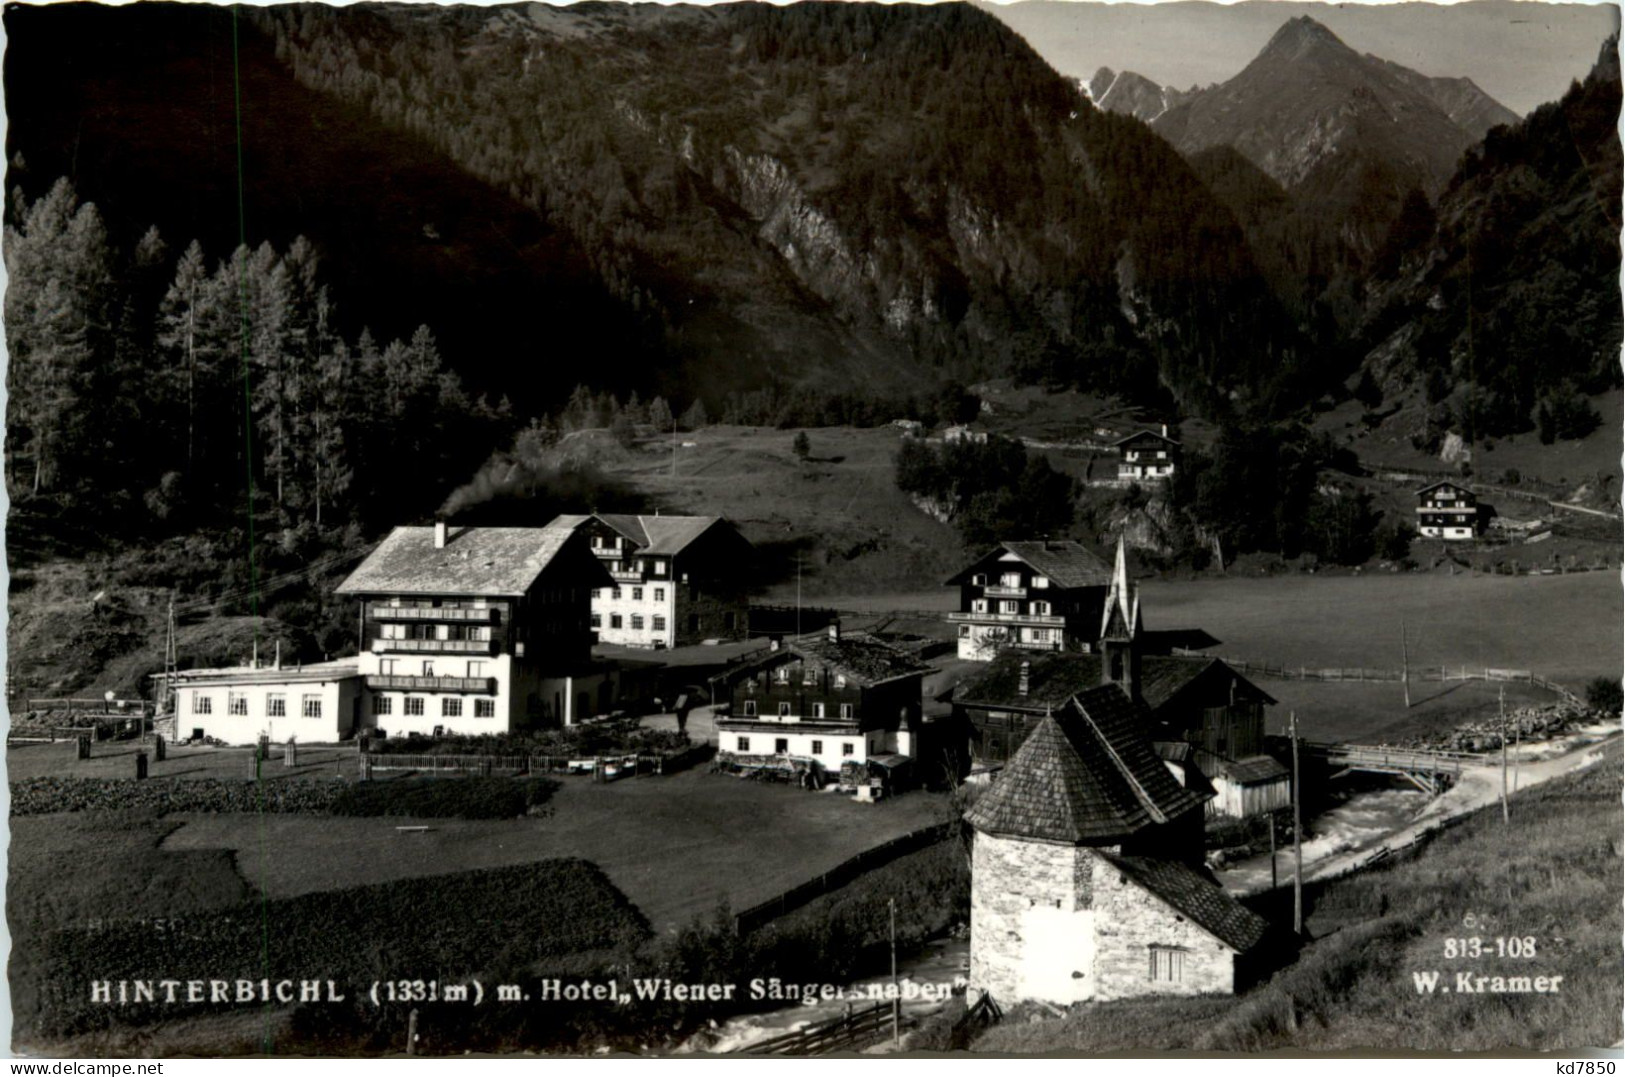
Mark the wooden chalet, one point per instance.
(1199, 702)
(1033, 596)
(830, 701)
(1147, 456)
(1447, 510)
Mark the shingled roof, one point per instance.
(1066, 564)
(863, 658)
(1086, 777)
(1197, 896)
(502, 561)
(654, 535)
(1254, 770)
(1056, 677)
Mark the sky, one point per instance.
(1521, 53)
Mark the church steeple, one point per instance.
(1120, 630)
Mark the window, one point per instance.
(817, 747)
(1040, 635)
(1040, 581)
(615, 620)
(387, 666)
(641, 563)
(637, 622)
(979, 580)
(964, 631)
(659, 569)
(1009, 605)
(1167, 964)
(658, 623)
(595, 593)
(598, 620)
(781, 745)
(1010, 579)
(847, 748)
(744, 744)
(451, 707)
(414, 707)
(660, 594)
(846, 710)
(237, 703)
(485, 708)
(784, 710)
(383, 705)
(818, 710)
(782, 674)
(428, 667)
(978, 605)
(750, 708)
(202, 704)
(1041, 608)
(809, 674)
(840, 680)
(476, 669)
(276, 705)
(637, 594)
(310, 706)
(615, 592)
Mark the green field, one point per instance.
(676, 846)
(1553, 875)
(1566, 628)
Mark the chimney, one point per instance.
(440, 534)
(278, 664)
(835, 632)
(1024, 680)
(1164, 429)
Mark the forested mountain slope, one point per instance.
(826, 193)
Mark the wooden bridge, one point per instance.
(1425, 768)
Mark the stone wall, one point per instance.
(1130, 920)
(1032, 920)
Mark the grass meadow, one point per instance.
(1553, 874)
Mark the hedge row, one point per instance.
(42, 796)
(445, 927)
(421, 798)
(588, 738)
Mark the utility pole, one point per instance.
(896, 997)
(1506, 807)
(1405, 657)
(1275, 881)
(1297, 832)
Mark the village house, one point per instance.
(473, 630)
(1201, 703)
(1147, 456)
(1033, 596)
(314, 704)
(1447, 510)
(832, 699)
(1086, 877)
(674, 580)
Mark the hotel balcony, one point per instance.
(434, 646)
(1037, 620)
(629, 575)
(390, 681)
(381, 611)
(1000, 591)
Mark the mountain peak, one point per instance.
(1300, 37)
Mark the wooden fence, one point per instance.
(750, 919)
(606, 766)
(851, 1031)
(1283, 672)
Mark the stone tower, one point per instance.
(1082, 881)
